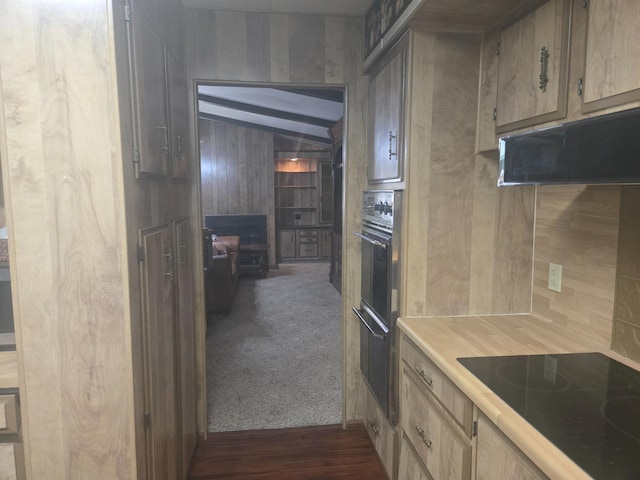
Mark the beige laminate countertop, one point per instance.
(444, 339)
(8, 369)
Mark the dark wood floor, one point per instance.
(322, 453)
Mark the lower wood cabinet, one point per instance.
(497, 457)
(436, 421)
(11, 461)
(443, 435)
(12, 466)
(382, 434)
(410, 467)
(304, 243)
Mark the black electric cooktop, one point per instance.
(586, 404)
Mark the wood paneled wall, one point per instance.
(577, 227)
(626, 324)
(469, 244)
(237, 173)
(301, 50)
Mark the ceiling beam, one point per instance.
(330, 94)
(268, 112)
(277, 131)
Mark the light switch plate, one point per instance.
(555, 277)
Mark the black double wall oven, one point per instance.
(378, 310)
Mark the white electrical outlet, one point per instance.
(555, 277)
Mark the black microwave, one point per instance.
(604, 149)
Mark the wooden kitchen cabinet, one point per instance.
(178, 113)
(12, 461)
(381, 432)
(286, 244)
(410, 466)
(497, 457)
(386, 117)
(486, 138)
(612, 66)
(435, 417)
(12, 466)
(533, 68)
(149, 88)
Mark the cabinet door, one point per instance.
(148, 78)
(185, 340)
(443, 451)
(325, 243)
(498, 458)
(409, 466)
(381, 433)
(12, 461)
(286, 244)
(325, 189)
(533, 68)
(612, 66)
(486, 138)
(157, 274)
(178, 118)
(385, 125)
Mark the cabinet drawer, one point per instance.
(308, 240)
(432, 378)
(11, 461)
(307, 233)
(9, 417)
(445, 453)
(308, 250)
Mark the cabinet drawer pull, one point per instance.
(424, 438)
(374, 428)
(427, 379)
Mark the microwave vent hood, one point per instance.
(604, 149)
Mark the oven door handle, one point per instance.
(377, 243)
(364, 322)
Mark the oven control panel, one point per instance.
(377, 207)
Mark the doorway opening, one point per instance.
(271, 183)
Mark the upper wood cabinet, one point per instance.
(533, 68)
(612, 61)
(177, 102)
(146, 52)
(486, 138)
(385, 122)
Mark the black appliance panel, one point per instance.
(605, 149)
(586, 404)
(376, 269)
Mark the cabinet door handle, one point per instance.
(544, 65)
(374, 428)
(424, 438)
(169, 265)
(393, 137)
(426, 378)
(165, 147)
(182, 255)
(178, 139)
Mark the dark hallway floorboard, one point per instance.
(318, 453)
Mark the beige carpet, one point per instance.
(275, 360)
